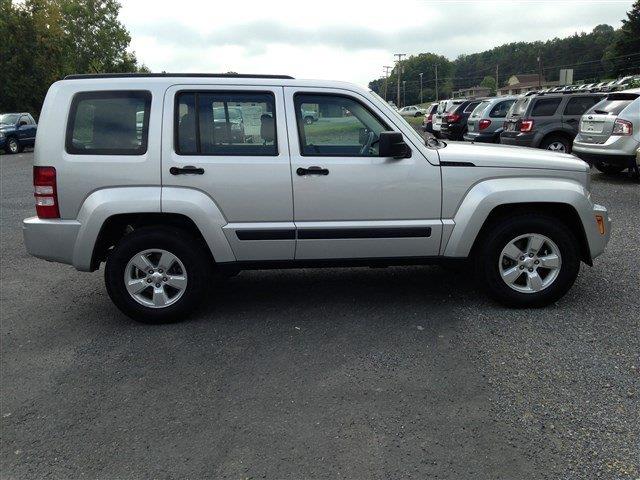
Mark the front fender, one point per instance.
(487, 195)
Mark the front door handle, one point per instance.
(188, 170)
(312, 171)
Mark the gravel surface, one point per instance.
(356, 373)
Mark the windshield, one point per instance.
(398, 117)
(9, 118)
(518, 108)
(480, 108)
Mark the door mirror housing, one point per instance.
(392, 144)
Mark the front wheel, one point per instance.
(527, 260)
(157, 275)
(12, 145)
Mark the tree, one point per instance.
(626, 47)
(490, 83)
(44, 40)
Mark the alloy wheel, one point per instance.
(155, 278)
(13, 145)
(530, 263)
(557, 147)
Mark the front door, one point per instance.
(230, 142)
(348, 201)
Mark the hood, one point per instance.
(509, 156)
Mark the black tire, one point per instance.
(609, 169)
(418, 114)
(308, 120)
(188, 249)
(12, 145)
(550, 140)
(499, 233)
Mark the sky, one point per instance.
(341, 39)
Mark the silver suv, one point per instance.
(487, 119)
(610, 132)
(155, 176)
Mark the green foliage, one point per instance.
(490, 83)
(44, 40)
(626, 46)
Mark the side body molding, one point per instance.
(204, 212)
(486, 195)
(103, 204)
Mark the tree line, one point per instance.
(44, 40)
(600, 54)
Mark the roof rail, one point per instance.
(83, 76)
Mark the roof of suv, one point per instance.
(170, 75)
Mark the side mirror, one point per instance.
(391, 144)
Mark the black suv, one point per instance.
(546, 121)
(454, 123)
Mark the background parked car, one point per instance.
(546, 121)
(486, 121)
(412, 111)
(427, 121)
(310, 116)
(454, 125)
(610, 132)
(17, 131)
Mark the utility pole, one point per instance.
(539, 70)
(404, 92)
(421, 87)
(386, 79)
(399, 68)
(436, 82)
(497, 83)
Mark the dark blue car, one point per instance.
(17, 130)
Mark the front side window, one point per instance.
(545, 107)
(579, 105)
(344, 127)
(109, 123)
(226, 123)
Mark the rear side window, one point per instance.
(545, 107)
(480, 108)
(225, 123)
(500, 109)
(579, 105)
(109, 123)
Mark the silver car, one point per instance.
(610, 132)
(412, 111)
(486, 121)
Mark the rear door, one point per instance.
(349, 201)
(230, 142)
(575, 108)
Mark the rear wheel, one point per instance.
(157, 275)
(608, 168)
(527, 260)
(556, 143)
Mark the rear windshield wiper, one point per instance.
(601, 112)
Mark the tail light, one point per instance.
(622, 127)
(453, 118)
(44, 187)
(484, 123)
(526, 125)
(430, 118)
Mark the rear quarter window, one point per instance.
(545, 107)
(500, 109)
(579, 105)
(519, 107)
(109, 123)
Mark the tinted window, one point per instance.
(226, 123)
(519, 107)
(471, 107)
(344, 127)
(579, 105)
(613, 104)
(109, 123)
(500, 109)
(480, 108)
(545, 107)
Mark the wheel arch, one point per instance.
(561, 132)
(485, 202)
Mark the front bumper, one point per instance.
(598, 241)
(52, 240)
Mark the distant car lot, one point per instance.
(394, 377)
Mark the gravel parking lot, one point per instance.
(404, 372)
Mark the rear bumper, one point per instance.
(52, 240)
(616, 150)
(519, 140)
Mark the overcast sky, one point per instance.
(341, 39)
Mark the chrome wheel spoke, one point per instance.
(137, 285)
(534, 281)
(141, 262)
(550, 261)
(160, 298)
(512, 251)
(166, 260)
(179, 282)
(535, 243)
(512, 274)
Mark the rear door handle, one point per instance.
(188, 170)
(312, 171)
